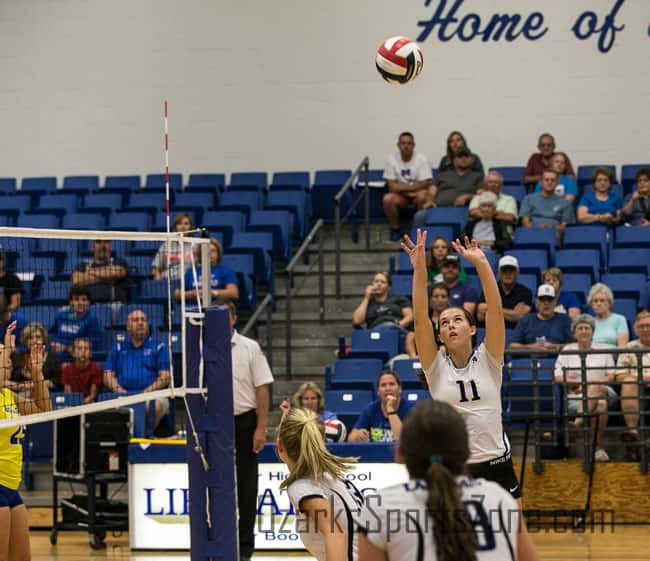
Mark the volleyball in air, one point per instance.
(335, 430)
(399, 60)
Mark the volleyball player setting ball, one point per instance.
(14, 529)
(440, 514)
(467, 377)
(327, 505)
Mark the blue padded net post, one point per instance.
(213, 532)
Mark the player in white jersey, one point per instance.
(440, 514)
(326, 503)
(468, 378)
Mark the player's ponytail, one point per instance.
(302, 435)
(435, 447)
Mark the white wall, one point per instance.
(291, 84)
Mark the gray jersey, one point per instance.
(475, 392)
(345, 500)
(396, 520)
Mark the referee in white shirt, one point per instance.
(251, 379)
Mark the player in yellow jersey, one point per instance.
(14, 528)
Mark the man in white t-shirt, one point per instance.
(408, 177)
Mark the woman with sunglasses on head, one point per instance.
(467, 377)
(440, 514)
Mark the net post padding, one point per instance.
(213, 498)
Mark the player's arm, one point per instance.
(40, 401)
(369, 551)
(525, 547)
(322, 517)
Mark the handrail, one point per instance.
(291, 292)
(349, 184)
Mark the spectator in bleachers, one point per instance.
(104, 275)
(381, 420)
(308, 396)
(637, 204)
(566, 185)
(169, 265)
(516, 299)
(545, 208)
(602, 206)
(567, 302)
(8, 316)
(36, 355)
(139, 364)
(82, 375)
(628, 376)
(223, 280)
(490, 233)
(599, 372)
(408, 177)
(438, 250)
(461, 294)
(541, 160)
(10, 286)
(74, 321)
(457, 186)
(611, 328)
(506, 204)
(438, 302)
(381, 308)
(545, 329)
(455, 141)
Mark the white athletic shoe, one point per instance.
(601, 455)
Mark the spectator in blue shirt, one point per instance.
(381, 420)
(566, 185)
(223, 280)
(544, 329)
(567, 302)
(611, 328)
(602, 206)
(73, 322)
(139, 364)
(461, 295)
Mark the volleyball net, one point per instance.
(98, 322)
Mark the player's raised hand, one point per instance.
(416, 251)
(469, 251)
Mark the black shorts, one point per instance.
(9, 497)
(501, 471)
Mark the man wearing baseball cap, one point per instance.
(544, 329)
(457, 187)
(461, 295)
(516, 298)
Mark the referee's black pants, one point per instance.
(246, 462)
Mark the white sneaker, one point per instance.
(601, 455)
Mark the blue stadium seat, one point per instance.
(280, 224)
(248, 181)
(102, 203)
(80, 184)
(632, 236)
(226, 222)
(54, 203)
(155, 291)
(156, 181)
(530, 260)
(626, 307)
(297, 203)
(415, 395)
(130, 221)
(512, 175)
(585, 173)
(15, 205)
(585, 237)
(60, 400)
(122, 182)
(244, 266)
(407, 369)
(332, 177)
(402, 284)
(6, 221)
(206, 182)
(290, 180)
(377, 188)
(628, 171)
(144, 248)
(536, 238)
(46, 267)
(327, 183)
(13, 247)
(403, 264)
(529, 281)
(354, 373)
(347, 404)
(8, 185)
(243, 201)
(83, 221)
(492, 258)
(516, 191)
(374, 343)
(54, 293)
(198, 202)
(628, 285)
(452, 216)
(433, 232)
(104, 313)
(579, 261)
(139, 267)
(43, 314)
(38, 185)
(580, 284)
(151, 203)
(521, 376)
(38, 447)
(630, 260)
(260, 245)
(38, 221)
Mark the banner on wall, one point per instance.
(159, 503)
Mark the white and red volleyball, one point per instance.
(335, 430)
(399, 60)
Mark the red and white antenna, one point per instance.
(167, 198)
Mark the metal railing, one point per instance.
(291, 291)
(338, 221)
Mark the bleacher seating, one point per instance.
(156, 181)
(585, 173)
(374, 343)
(628, 172)
(248, 181)
(348, 404)
(354, 373)
(585, 261)
(447, 216)
(512, 175)
(289, 180)
(206, 182)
